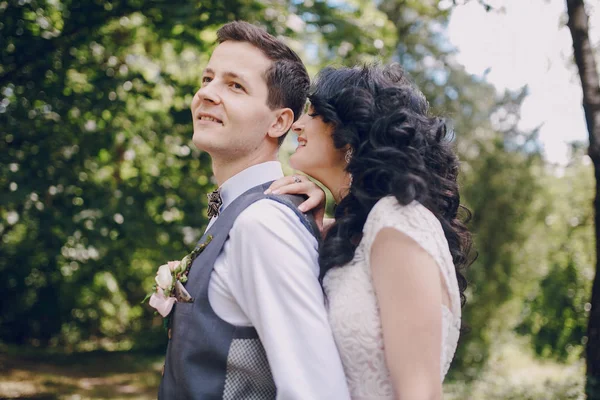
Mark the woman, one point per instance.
(391, 260)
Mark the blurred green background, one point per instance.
(100, 183)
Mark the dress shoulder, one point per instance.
(422, 226)
(414, 220)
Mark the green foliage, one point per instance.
(555, 311)
(559, 321)
(500, 187)
(100, 181)
(96, 152)
(499, 390)
(514, 372)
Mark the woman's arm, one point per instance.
(409, 292)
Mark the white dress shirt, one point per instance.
(266, 277)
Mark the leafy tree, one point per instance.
(97, 166)
(100, 179)
(555, 311)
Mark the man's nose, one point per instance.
(209, 93)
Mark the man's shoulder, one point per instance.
(267, 212)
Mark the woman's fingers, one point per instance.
(281, 182)
(318, 210)
(313, 202)
(296, 188)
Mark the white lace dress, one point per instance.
(353, 310)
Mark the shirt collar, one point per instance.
(252, 176)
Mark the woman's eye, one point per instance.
(206, 80)
(237, 86)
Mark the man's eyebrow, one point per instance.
(234, 75)
(228, 74)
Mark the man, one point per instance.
(257, 328)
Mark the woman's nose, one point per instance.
(297, 127)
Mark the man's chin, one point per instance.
(204, 140)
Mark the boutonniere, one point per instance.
(170, 278)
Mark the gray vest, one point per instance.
(208, 358)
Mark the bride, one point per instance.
(391, 260)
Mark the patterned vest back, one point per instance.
(207, 357)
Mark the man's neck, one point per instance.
(223, 169)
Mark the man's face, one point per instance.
(230, 113)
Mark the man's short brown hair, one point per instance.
(287, 79)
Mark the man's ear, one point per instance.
(282, 123)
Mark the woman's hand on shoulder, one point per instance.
(300, 184)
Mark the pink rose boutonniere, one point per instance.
(169, 279)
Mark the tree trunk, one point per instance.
(590, 83)
(593, 344)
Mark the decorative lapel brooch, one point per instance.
(169, 280)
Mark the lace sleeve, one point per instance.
(420, 224)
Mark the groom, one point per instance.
(257, 328)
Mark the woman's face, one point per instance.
(315, 155)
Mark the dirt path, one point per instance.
(79, 376)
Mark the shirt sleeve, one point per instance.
(272, 274)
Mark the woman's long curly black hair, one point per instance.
(397, 149)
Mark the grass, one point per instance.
(512, 374)
(97, 375)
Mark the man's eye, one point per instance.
(206, 80)
(237, 86)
